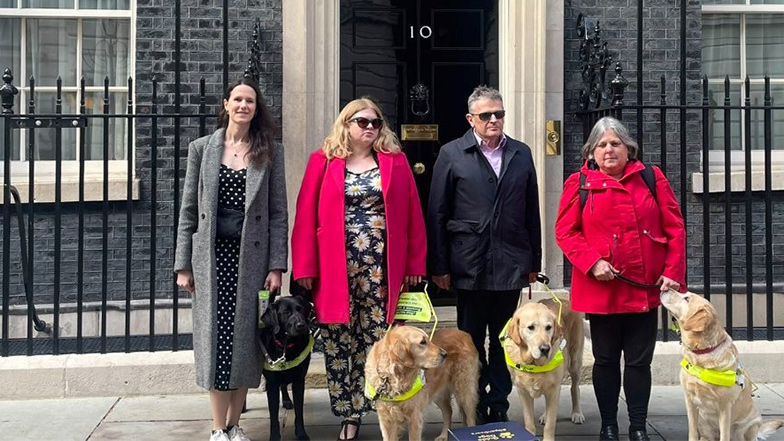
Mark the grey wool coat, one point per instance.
(263, 247)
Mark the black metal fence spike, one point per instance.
(618, 86)
(7, 92)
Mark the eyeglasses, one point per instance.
(376, 123)
(485, 116)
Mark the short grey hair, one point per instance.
(484, 92)
(599, 129)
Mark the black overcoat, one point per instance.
(483, 230)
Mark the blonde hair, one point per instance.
(338, 143)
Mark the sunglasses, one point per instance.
(485, 116)
(363, 123)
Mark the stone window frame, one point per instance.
(45, 169)
(716, 157)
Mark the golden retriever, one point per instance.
(451, 366)
(534, 337)
(725, 412)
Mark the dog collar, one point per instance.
(726, 378)
(282, 364)
(419, 383)
(528, 368)
(708, 350)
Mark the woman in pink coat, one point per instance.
(358, 237)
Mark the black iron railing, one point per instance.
(719, 269)
(99, 266)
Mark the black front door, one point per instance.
(420, 60)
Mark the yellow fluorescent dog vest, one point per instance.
(528, 368)
(727, 378)
(419, 383)
(284, 365)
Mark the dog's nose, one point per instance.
(300, 326)
(544, 349)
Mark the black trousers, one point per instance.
(635, 336)
(480, 312)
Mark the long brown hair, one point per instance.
(338, 144)
(262, 127)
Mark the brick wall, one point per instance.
(201, 57)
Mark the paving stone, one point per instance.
(54, 419)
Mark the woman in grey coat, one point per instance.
(232, 242)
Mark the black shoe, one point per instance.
(638, 435)
(498, 416)
(609, 433)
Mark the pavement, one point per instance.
(187, 417)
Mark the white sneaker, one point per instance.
(237, 434)
(219, 436)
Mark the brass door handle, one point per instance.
(419, 168)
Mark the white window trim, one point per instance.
(45, 169)
(716, 158)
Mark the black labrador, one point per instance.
(285, 344)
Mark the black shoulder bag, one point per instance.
(229, 223)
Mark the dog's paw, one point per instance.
(543, 418)
(287, 404)
(578, 418)
(303, 437)
(441, 438)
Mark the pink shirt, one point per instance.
(495, 155)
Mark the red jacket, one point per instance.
(622, 224)
(318, 241)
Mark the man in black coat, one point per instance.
(484, 236)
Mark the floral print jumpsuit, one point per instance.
(346, 345)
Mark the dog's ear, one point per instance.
(514, 332)
(698, 321)
(270, 318)
(401, 353)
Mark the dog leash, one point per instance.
(544, 280)
(631, 282)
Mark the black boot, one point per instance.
(638, 435)
(481, 416)
(498, 416)
(609, 433)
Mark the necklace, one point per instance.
(236, 149)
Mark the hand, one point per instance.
(603, 271)
(412, 280)
(667, 283)
(306, 282)
(443, 282)
(273, 281)
(185, 280)
(532, 276)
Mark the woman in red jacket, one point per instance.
(623, 229)
(358, 236)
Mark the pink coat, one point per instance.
(318, 244)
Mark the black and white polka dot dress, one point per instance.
(231, 195)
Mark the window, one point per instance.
(73, 39)
(744, 38)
